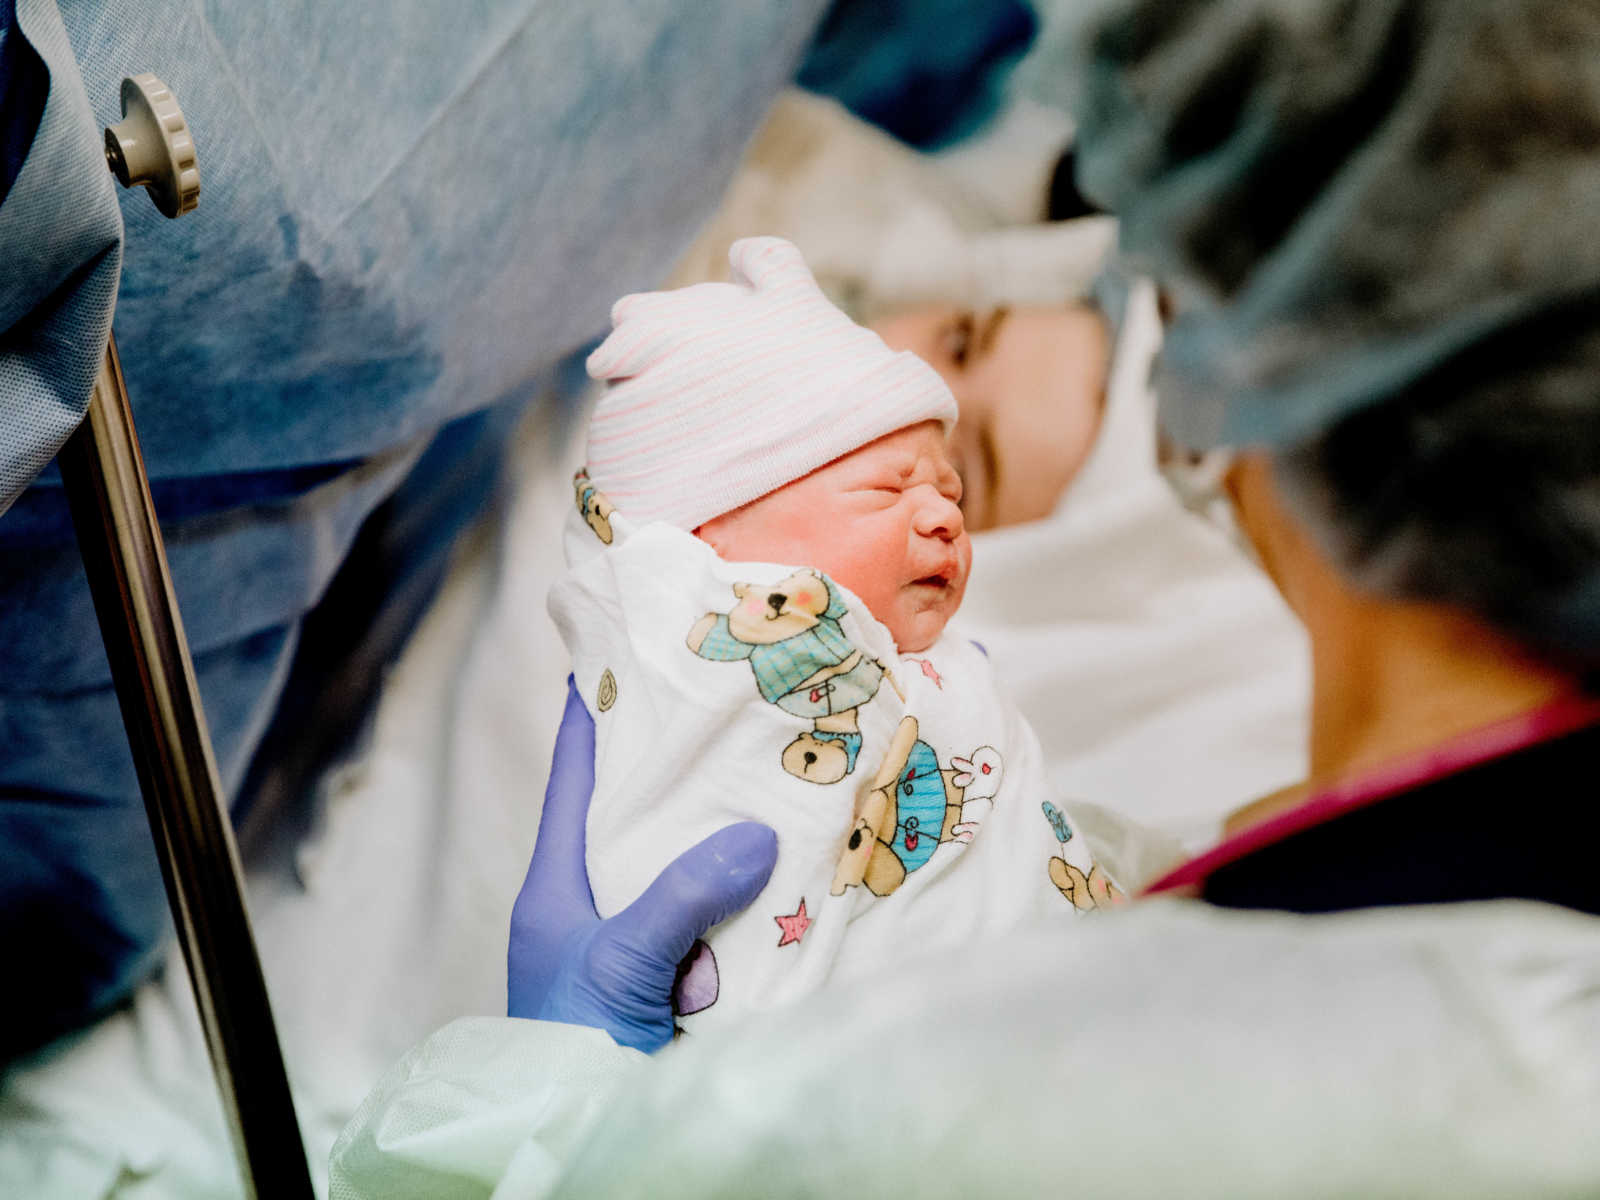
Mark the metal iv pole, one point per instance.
(126, 562)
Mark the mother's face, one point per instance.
(1031, 386)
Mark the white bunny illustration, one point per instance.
(978, 777)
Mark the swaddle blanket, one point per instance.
(908, 796)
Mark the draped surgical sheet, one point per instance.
(1168, 1050)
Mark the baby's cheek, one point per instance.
(957, 592)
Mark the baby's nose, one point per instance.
(941, 518)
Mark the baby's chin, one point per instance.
(916, 643)
(915, 626)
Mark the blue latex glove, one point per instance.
(565, 963)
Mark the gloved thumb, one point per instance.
(704, 885)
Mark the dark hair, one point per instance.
(1477, 486)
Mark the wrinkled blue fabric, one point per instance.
(60, 274)
(410, 214)
(928, 71)
(1344, 200)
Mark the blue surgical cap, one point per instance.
(1342, 197)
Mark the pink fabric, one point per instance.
(1404, 774)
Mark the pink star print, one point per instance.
(927, 669)
(795, 925)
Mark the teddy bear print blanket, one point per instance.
(908, 795)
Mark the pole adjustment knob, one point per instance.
(152, 146)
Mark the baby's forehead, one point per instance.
(904, 449)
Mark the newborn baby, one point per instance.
(766, 549)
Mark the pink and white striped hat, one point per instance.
(723, 392)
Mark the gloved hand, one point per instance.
(565, 963)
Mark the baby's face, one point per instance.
(884, 521)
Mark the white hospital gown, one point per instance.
(797, 710)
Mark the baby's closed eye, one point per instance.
(879, 486)
(881, 497)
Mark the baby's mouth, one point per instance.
(939, 580)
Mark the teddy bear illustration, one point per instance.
(912, 809)
(594, 506)
(803, 662)
(1085, 892)
(1089, 891)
